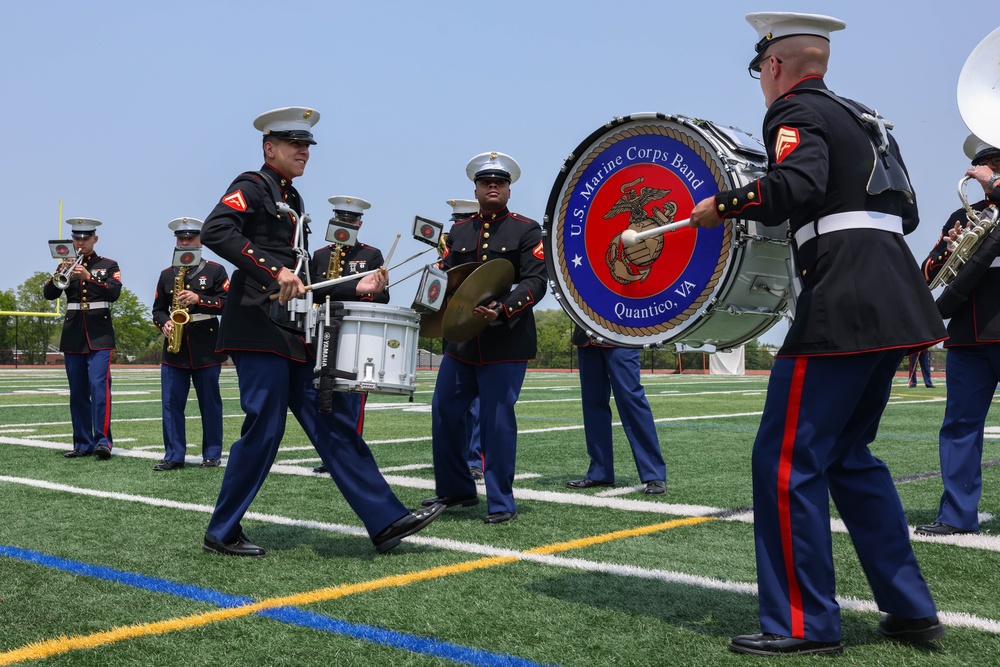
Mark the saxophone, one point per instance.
(334, 268)
(179, 316)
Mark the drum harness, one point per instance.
(887, 174)
(319, 324)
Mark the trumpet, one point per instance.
(62, 276)
(968, 240)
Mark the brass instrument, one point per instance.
(334, 269)
(968, 240)
(178, 315)
(442, 244)
(62, 276)
(979, 103)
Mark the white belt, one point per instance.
(91, 305)
(200, 317)
(995, 263)
(849, 220)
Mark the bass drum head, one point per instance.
(640, 172)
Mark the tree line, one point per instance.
(140, 342)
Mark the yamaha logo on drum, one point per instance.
(639, 173)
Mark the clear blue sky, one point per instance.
(136, 113)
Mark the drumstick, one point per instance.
(410, 259)
(630, 237)
(353, 276)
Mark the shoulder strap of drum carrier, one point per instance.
(887, 172)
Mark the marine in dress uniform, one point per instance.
(205, 288)
(463, 209)
(88, 339)
(273, 363)
(863, 305)
(603, 369)
(339, 260)
(492, 365)
(972, 363)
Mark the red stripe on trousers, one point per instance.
(784, 502)
(361, 414)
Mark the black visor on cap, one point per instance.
(345, 216)
(292, 135)
(759, 48)
(84, 235)
(493, 173)
(187, 232)
(985, 154)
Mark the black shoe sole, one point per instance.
(823, 650)
(916, 636)
(222, 551)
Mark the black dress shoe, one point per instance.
(103, 452)
(415, 521)
(241, 546)
(777, 645)
(210, 463)
(499, 517)
(586, 483)
(938, 528)
(451, 501)
(76, 453)
(655, 487)
(168, 465)
(912, 630)
(477, 473)
(320, 469)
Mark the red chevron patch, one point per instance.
(235, 200)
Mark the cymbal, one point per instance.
(430, 323)
(490, 281)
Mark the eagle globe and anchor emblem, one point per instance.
(628, 264)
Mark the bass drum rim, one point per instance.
(711, 149)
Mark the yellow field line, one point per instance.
(60, 645)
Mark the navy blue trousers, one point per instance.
(271, 385)
(820, 416)
(497, 386)
(972, 374)
(607, 369)
(175, 384)
(89, 376)
(922, 359)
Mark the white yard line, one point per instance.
(954, 619)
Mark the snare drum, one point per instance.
(378, 344)
(706, 288)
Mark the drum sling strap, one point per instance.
(326, 339)
(887, 172)
(326, 357)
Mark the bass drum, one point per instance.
(712, 289)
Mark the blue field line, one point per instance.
(289, 615)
